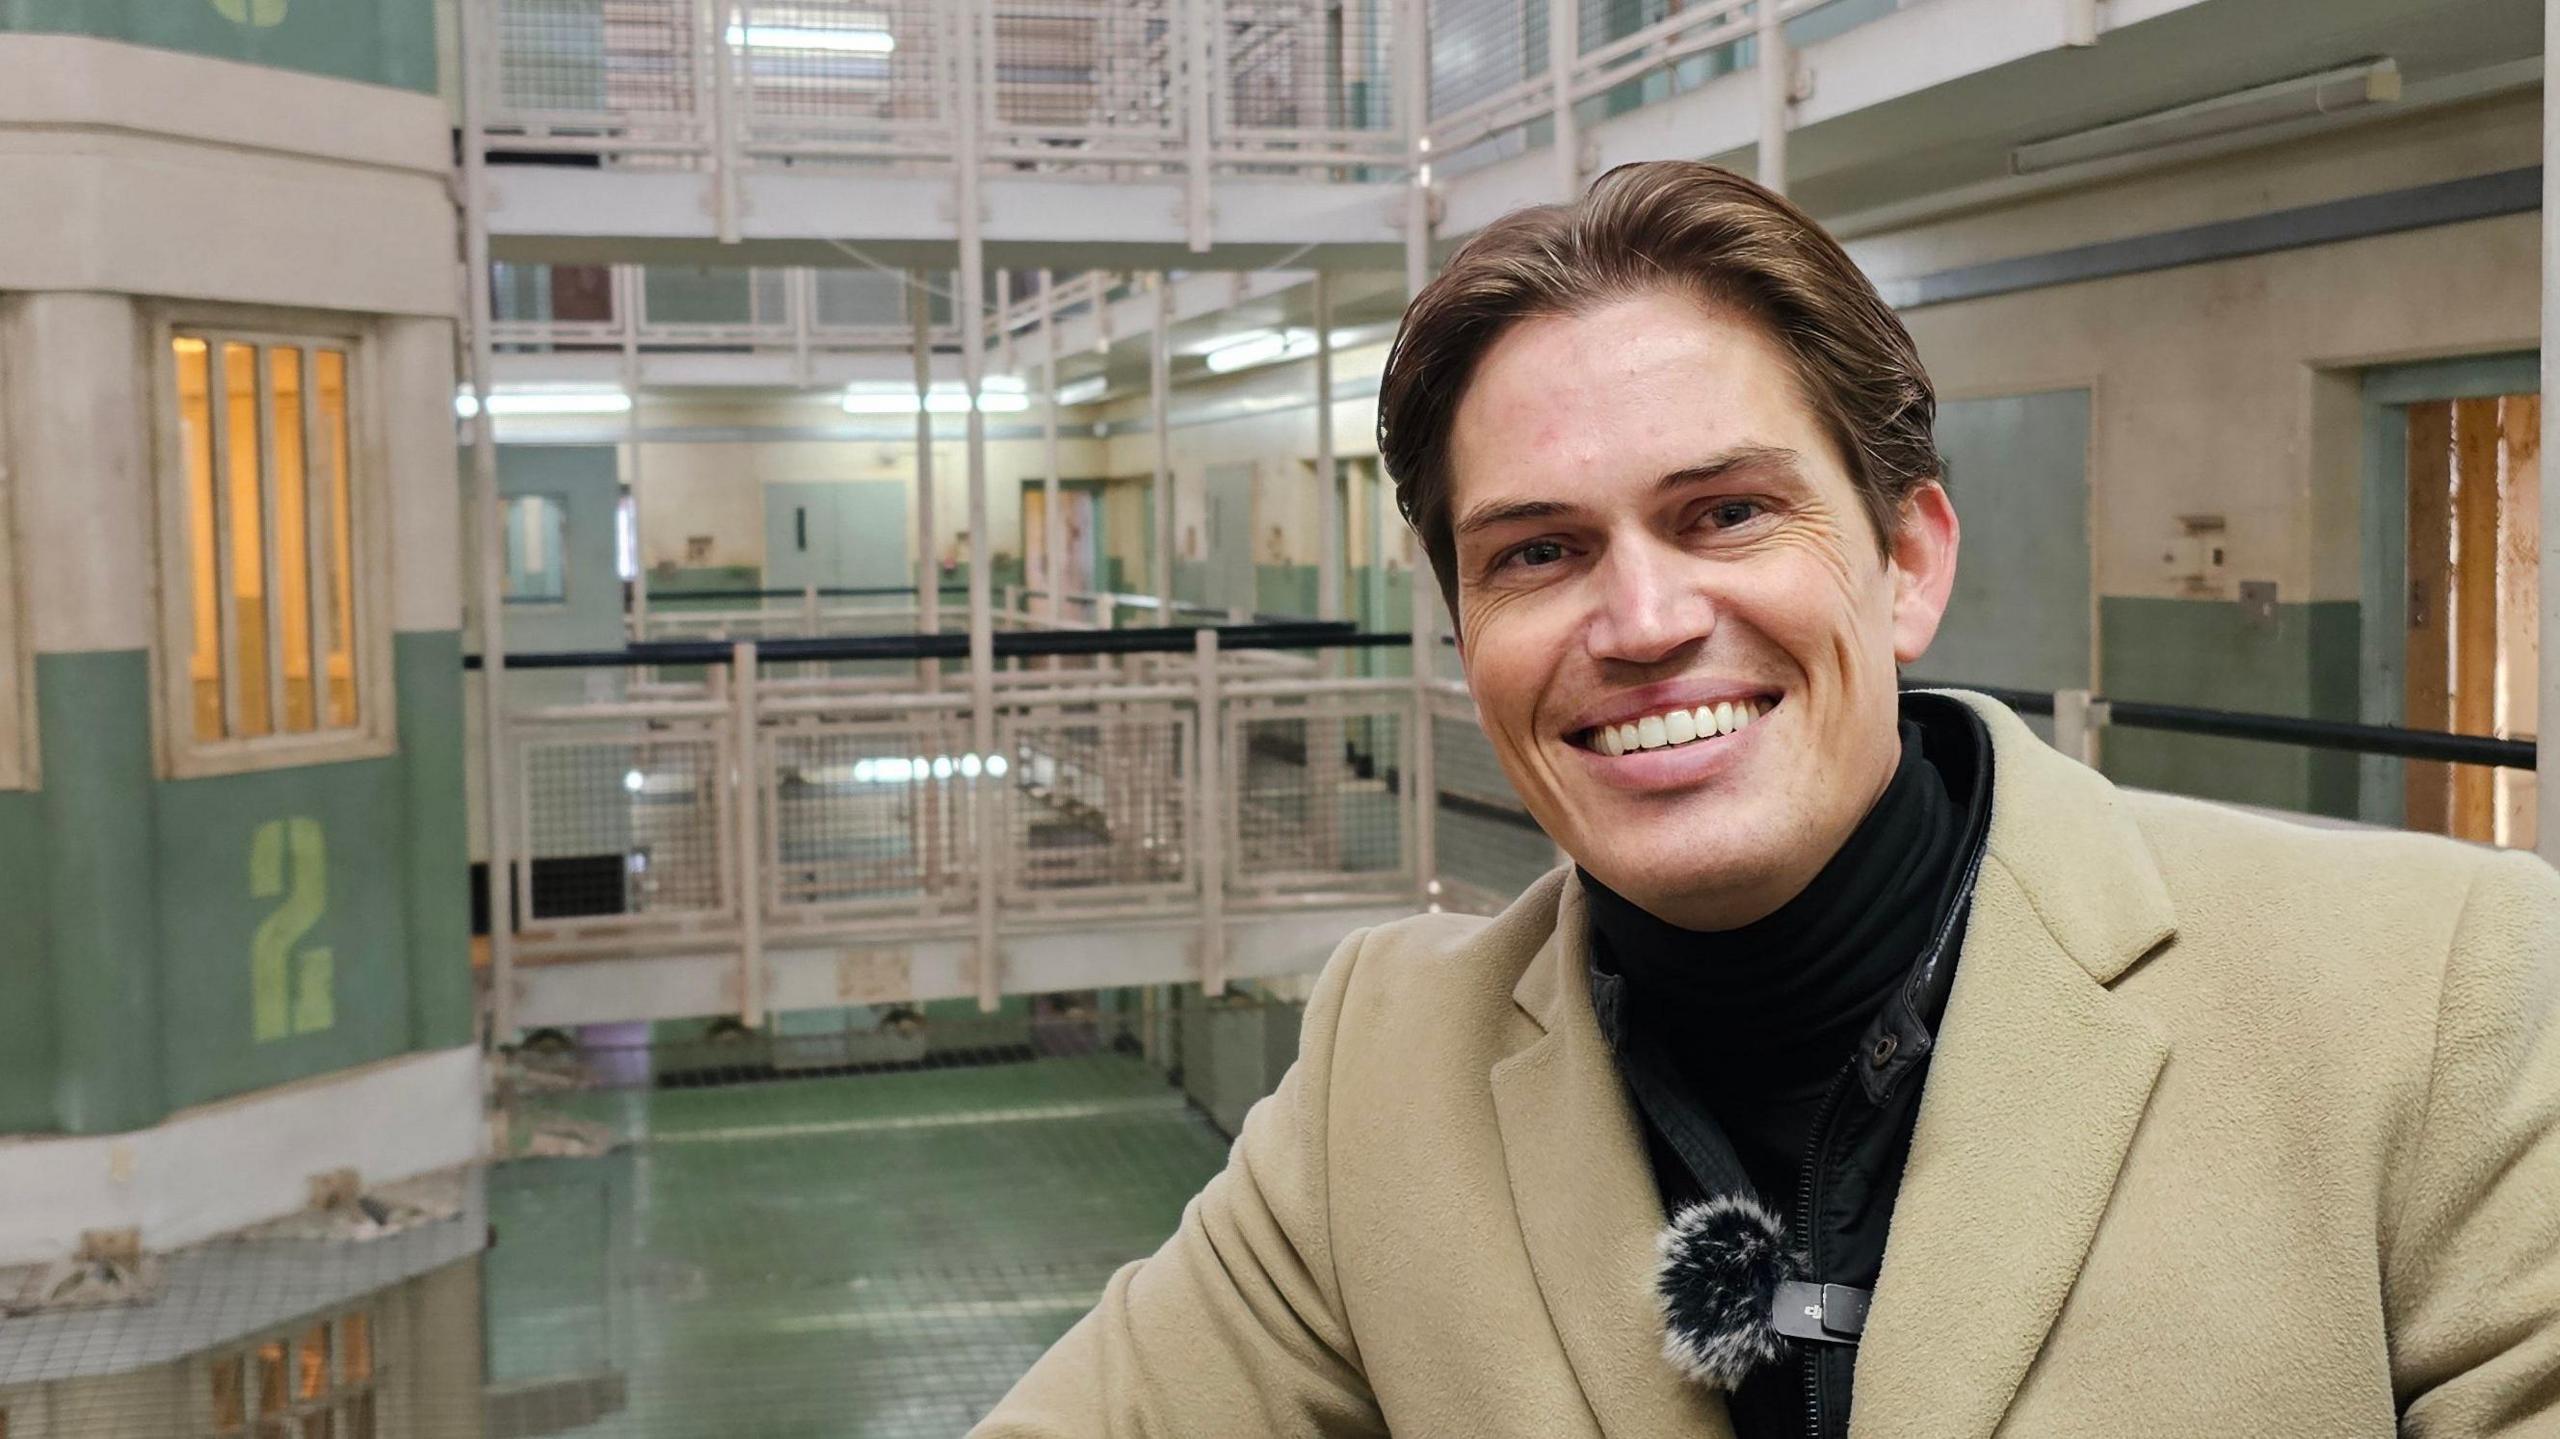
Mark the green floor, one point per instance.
(879, 1254)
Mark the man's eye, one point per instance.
(1725, 514)
(1535, 553)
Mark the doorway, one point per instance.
(2451, 592)
(2474, 570)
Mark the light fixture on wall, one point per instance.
(1084, 391)
(567, 400)
(997, 395)
(842, 40)
(2347, 87)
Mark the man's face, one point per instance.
(1650, 521)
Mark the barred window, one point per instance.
(320, 1379)
(271, 653)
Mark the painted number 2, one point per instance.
(290, 988)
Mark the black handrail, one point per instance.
(2355, 738)
(954, 644)
(825, 592)
(2386, 740)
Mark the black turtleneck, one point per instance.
(1787, 1056)
(1761, 1018)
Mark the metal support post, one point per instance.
(1208, 792)
(724, 125)
(1053, 520)
(1004, 322)
(1564, 50)
(971, 310)
(2078, 717)
(928, 572)
(1159, 402)
(625, 281)
(748, 844)
(1200, 72)
(473, 41)
(1777, 92)
(2547, 716)
(1413, 81)
(800, 295)
(1328, 482)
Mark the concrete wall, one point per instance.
(2230, 389)
(136, 919)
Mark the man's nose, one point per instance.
(1650, 605)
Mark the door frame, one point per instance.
(2387, 392)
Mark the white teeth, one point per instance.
(1675, 727)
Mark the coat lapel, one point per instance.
(1588, 1209)
(2040, 1079)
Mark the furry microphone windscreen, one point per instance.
(1722, 1260)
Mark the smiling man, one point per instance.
(1873, 1070)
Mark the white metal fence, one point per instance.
(1056, 85)
(755, 804)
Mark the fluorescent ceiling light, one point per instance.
(1084, 391)
(1262, 347)
(544, 402)
(2346, 88)
(807, 37)
(1247, 351)
(997, 395)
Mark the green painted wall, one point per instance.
(26, 986)
(382, 42)
(2213, 653)
(435, 842)
(102, 931)
(178, 941)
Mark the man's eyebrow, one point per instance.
(1503, 512)
(1740, 459)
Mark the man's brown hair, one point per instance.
(1661, 225)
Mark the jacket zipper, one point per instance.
(1808, 1188)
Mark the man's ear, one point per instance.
(1923, 559)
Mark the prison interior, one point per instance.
(687, 689)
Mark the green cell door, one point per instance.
(836, 536)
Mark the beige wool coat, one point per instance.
(2236, 1128)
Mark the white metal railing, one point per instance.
(1056, 85)
(753, 805)
(1493, 65)
(608, 308)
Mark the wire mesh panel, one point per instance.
(1318, 795)
(1481, 48)
(1306, 70)
(714, 305)
(595, 66)
(621, 826)
(872, 816)
(1061, 74)
(1099, 806)
(1488, 845)
(850, 75)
